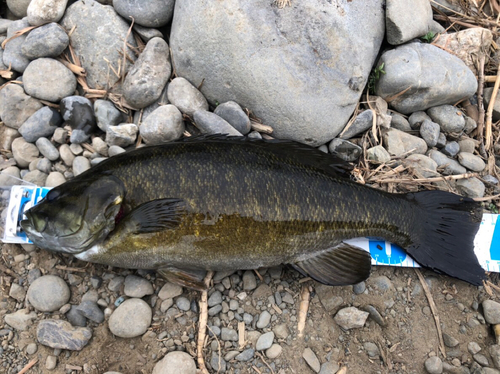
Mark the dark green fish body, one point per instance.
(227, 204)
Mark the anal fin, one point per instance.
(189, 278)
(342, 265)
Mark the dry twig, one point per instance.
(202, 325)
(28, 366)
(489, 114)
(433, 307)
(303, 308)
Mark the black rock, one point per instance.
(78, 112)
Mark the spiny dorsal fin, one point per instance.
(342, 265)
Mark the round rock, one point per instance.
(147, 78)
(45, 41)
(449, 117)
(274, 351)
(175, 363)
(137, 287)
(48, 79)
(80, 164)
(107, 114)
(132, 318)
(265, 341)
(471, 187)
(12, 55)
(47, 149)
(42, 123)
(48, 293)
(434, 365)
(15, 106)
(210, 123)
(152, 13)
(344, 149)
(78, 112)
(163, 125)
(54, 179)
(122, 135)
(43, 11)
(471, 162)
(24, 152)
(18, 7)
(186, 97)
(235, 116)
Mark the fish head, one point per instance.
(75, 215)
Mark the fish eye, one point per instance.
(52, 195)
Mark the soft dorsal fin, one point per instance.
(185, 277)
(342, 265)
(301, 153)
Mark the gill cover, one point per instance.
(76, 214)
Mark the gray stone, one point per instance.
(18, 7)
(42, 11)
(406, 20)
(15, 106)
(137, 286)
(274, 351)
(107, 114)
(235, 116)
(351, 318)
(433, 365)
(42, 123)
(45, 41)
(66, 155)
(433, 76)
(471, 161)
(10, 176)
(78, 112)
(441, 140)
(375, 315)
(371, 349)
(163, 125)
(21, 319)
(17, 292)
(399, 122)
(249, 281)
(186, 97)
(265, 341)
(363, 122)
(215, 299)
(399, 143)
(450, 341)
(7, 136)
(471, 187)
(264, 319)
(447, 165)
(359, 288)
(210, 123)
(467, 145)
(24, 152)
(449, 117)
(429, 131)
(90, 310)
(146, 80)
(122, 135)
(496, 107)
(481, 359)
(100, 146)
(183, 304)
(495, 355)
(451, 149)
(132, 318)
(329, 368)
(281, 331)
(228, 334)
(75, 317)
(175, 363)
(153, 13)
(50, 362)
(490, 179)
(344, 149)
(473, 348)
(246, 355)
(424, 166)
(213, 311)
(218, 363)
(470, 125)
(4, 25)
(80, 164)
(48, 79)
(47, 149)
(36, 177)
(284, 65)
(99, 46)
(60, 334)
(48, 293)
(147, 33)
(31, 348)
(169, 291)
(311, 359)
(115, 150)
(12, 54)
(378, 154)
(60, 135)
(330, 300)
(417, 118)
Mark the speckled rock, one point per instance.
(45, 41)
(48, 79)
(132, 318)
(60, 334)
(351, 318)
(449, 117)
(153, 13)
(147, 78)
(122, 135)
(44, 11)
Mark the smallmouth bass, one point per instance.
(225, 203)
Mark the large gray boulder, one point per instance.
(300, 69)
(407, 19)
(98, 41)
(419, 76)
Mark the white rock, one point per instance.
(45, 11)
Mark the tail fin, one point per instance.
(444, 234)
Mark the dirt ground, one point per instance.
(407, 339)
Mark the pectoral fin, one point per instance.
(342, 265)
(155, 215)
(186, 278)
